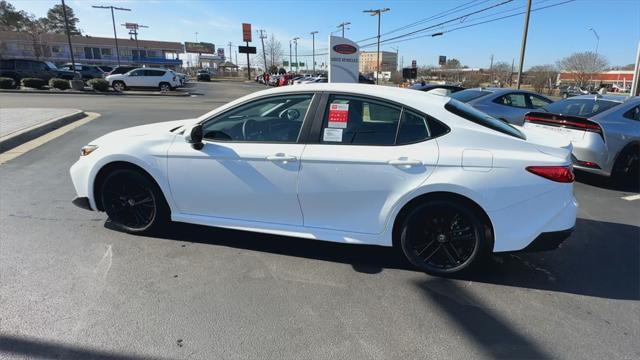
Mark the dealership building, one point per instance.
(369, 61)
(622, 78)
(89, 49)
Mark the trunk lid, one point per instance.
(548, 142)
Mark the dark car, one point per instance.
(121, 70)
(87, 72)
(18, 69)
(203, 75)
(105, 68)
(450, 89)
(364, 80)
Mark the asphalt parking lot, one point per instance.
(71, 287)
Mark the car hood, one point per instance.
(144, 130)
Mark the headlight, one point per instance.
(87, 149)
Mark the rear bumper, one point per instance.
(548, 241)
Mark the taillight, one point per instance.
(564, 121)
(563, 174)
(588, 164)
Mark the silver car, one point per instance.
(604, 130)
(505, 104)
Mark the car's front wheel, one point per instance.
(119, 86)
(133, 202)
(165, 87)
(443, 237)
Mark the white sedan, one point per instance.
(348, 163)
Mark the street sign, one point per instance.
(246, 32)
(442, 60)
(247, 49)
(410, 73)
(344, 57)
(414, 63)
(221, 52)
(200, 47)
(131, 26)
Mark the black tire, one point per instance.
(165, 86)
(442, 237)
(133, 202)
(119, 86)
(626, 169)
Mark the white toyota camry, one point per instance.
(349, 163)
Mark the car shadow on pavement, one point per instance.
(40, 349)
(599, 259)
(493, 335)
(606, 183)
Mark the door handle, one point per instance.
(281, 157)
(404, 162)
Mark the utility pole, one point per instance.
(66, 26)
(133, 31)
(343, 25)
(295, 41)
(378, 12)
(230, 53)
(491, 70)
(597, 40)
(113, 21)
(524, 43)
(264, 54)
(313, 41)
(635, 86)
(290, 58)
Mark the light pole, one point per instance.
(597, 39)
(264, 54)
(378, 12)
(343, 25)
(524, 43)
(113, 20)
(290, 58)
(66, 26)
(295, 41)
(313, 46)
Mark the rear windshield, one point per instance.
(468, 112)
(580, 107)
(468, 95)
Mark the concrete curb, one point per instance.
(20, 137)
(176, 94)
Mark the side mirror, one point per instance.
(194, 137)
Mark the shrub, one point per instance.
(98, 84)
(32, 83)
(7, 83)
(61, 84)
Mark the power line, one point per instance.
(389, 41)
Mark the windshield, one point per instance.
(470, 113)
(580, 107)
(470, 94)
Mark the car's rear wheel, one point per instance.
(119, 85)
(626, 169)
(165, 86)
(443, 237)
(133, 202)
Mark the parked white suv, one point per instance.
(159, 78)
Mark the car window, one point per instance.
(633, 113)
(22, 65)
(413, 128)
(470, 113)
(469, 94)
(352, 120)
(39, 66)
(580, 107)
(154, 72)
(513, 100)
(137, 73)
(276, 119)
(6, 64)
(538, 102)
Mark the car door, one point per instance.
(368, 154)
(248, 167)
(153, 78)
(135, 78)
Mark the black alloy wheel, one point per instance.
(443, 237)
(133, 202)
(626, 169)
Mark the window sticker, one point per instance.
(338, 115)
(332, 135)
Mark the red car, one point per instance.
(285, 79)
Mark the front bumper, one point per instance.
(82, 202)
(548, 241)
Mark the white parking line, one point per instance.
(631, 197)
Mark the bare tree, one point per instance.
(274, 51)
(37, 30)
(583, 66)
(542, 76)
(501, 72)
